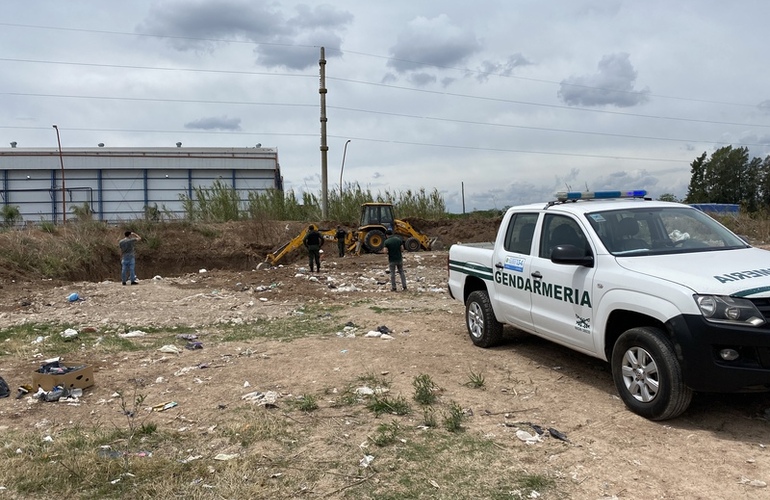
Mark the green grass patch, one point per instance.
(303, 322)
(346, 397)
(306, 402)
(384, 403)
(424, 389)
(453, 417)
(386, 434)
(475, 380)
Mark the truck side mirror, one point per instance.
(571, 255)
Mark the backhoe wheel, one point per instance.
(648, 375)
(374, 240)
(412, 245)
(483, 327)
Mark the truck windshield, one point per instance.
(653, 231)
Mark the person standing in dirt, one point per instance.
(128, 257)
(393, 245)
(340, 235)
(313, 241)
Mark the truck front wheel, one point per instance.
(483, 327)
(648, 375)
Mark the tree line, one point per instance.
(730, 176)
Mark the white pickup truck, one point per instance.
(673, 300)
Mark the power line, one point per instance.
(362, 139)
(159, 68)
(156, 99)
(542, 129)
(377, 56)
(359, 82)
(156, 131)
(397, 87)
(367, 111)
(544, 105)
(152, 35)
(540, 80)
(506, 150)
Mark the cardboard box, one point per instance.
(81, 377)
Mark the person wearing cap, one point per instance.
(313, 241)
(393, 245)
(128, 257)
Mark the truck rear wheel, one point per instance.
(648, 375)
(412, 245)
(483, 327)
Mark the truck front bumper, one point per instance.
(699, 343)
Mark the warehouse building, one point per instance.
(119, 184)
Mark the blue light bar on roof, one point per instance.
(599, 195)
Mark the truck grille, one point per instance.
(763, 304)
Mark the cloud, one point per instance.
(764, 106)
(501, 68)
(215, 123)
(421, 79)
(190, 23)
(291, 42)
(625, 179)
(612, 85)
(518, 193)
(436, 41)
(759, 144)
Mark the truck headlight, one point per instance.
(724, 309)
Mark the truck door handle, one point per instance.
(498, 265)
(537, 275)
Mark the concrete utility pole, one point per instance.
(63, 190)
(324, 147)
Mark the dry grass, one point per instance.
(754, 227)
(311, 447)
(255, 452)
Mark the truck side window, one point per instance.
(521, 229)
(560, 230)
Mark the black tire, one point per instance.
(648, 375)
(412, 245)
(374, 240)
(483, 327)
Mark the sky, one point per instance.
(493, 103)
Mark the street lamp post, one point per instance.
(63, 189)
(344, 152)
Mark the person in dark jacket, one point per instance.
(340, 236)
(395, 259)
(313, 241)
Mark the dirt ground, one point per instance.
(717, 449)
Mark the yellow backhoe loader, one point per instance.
(376, 219)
